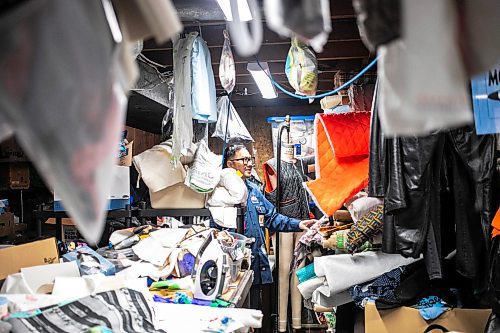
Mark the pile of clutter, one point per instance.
(144, 274)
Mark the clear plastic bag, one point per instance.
(59, 90)
(227, 73)
(301, 68)
(236, 129)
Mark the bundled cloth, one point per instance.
(337, 273)
(365, 229)
(383, 286)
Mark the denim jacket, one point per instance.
(258, 205)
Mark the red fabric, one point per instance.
(342, 143)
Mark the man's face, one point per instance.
(243, 162)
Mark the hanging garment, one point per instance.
(310, 21)
(70, 127)
(342, 142)
(294, 202)
(421, 105)
(479, 18)
(431, 183)
(183, 125)
(203, 93)
(379, 21)
(123, 310)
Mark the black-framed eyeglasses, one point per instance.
(245, 160)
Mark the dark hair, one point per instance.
(231, 150)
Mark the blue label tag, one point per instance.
(486, 101)
(254, 199)
(297, 151)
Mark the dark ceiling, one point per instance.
(344, 51)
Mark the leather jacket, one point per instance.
(429, 184)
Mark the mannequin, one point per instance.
(294, 203)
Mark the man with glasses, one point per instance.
(259, 213)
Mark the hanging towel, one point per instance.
(342, 142)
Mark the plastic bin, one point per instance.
(301, 132)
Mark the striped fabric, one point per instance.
(123, 310)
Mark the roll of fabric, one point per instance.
(370, 225)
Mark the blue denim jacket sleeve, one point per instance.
(277, 222)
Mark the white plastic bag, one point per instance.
(231, 190)
(236, 130)
(204, 175)
(59, 90)
(424, 73)
(301, 68)
(227, 73)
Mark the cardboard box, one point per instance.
(69, 231)
(14, 258)
(119, 194)
(127, 159)
(11, 151)
(177, 196)
(18, 227)
(15, 176)
(408, 320)
(6, 224)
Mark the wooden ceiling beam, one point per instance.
(277, 53)
(343, 30)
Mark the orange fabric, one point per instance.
(342, 143)
(496, 225)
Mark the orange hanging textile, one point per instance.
(342, 144)
(495, 231)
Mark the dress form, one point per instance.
(288, 280)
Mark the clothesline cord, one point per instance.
(357, 76)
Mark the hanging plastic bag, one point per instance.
(204, 175)
(236, 129)
(423, 82)
(227, 73)
(309, 20)
(301, 68)
(67, 108)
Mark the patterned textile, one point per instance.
(338, 242)
(294, 202)
(382, 287)
(123, 310)
(307, 242)
(362, 231)
(431, 307)
(342, 142)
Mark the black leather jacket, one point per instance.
(432, 186)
